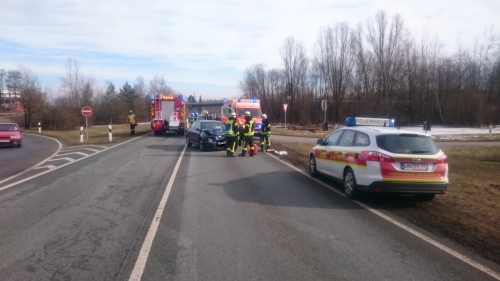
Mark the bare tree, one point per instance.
(2, 92)
(13, 82)
(334, 58)
(296, 63)
(72, 83)
(159, 86)
(31, 95)
(387, 41)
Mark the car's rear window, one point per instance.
(8, 127)
(407, 144)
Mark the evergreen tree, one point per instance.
(128, 93)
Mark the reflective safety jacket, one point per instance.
(131, 119)
(230, 128)
(249, 130)
(266, 127)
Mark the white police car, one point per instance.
(371, 155)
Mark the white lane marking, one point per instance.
(69, 153)
(140, 264)
(64, 165)
(36, 165)
(50, 167)
(79, 148)
(64, 158)
(424, 237)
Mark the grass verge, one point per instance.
(469, 214)
(96, 134)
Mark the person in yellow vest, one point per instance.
(231, 135)
(248, 133)
(265, 138)
(132, 120)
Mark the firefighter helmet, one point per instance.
(233, 114)
(264, 116)
(247, 113)
(130, 111)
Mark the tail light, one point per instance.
(377, 157)
(442, 160)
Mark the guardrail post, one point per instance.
(110, 133)
(490, 132)
(40, 128)
(81, 134)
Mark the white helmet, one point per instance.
(247, 113)
(264, 116)
(233, 114)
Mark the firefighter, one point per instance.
(231, 135)
(249, 132)
(132, 120)
(265, 137)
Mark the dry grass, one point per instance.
(96, 134)
(312, 132)
(469, 214)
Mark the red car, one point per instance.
(10, 134)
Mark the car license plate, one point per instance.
(4, 140)
(413, 166)
(222, 143)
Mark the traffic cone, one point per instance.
(255, 148)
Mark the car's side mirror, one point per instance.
(320, 142)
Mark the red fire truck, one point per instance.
(168, 114)
(239, 106)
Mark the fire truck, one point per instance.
(239, 106)
(168, 114)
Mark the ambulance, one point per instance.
(240, 106)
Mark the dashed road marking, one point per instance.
(69, 153)
(64, 158)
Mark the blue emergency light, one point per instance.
(362, 121)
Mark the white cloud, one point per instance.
(202, 42)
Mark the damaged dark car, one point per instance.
(206, 134)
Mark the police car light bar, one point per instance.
(361, 121)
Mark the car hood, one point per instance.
(214, 132)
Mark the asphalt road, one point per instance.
(34, 149)
(225, 219)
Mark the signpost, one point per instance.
(324, 105)
(285, 105)
(86, 111)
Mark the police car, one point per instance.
(371, 155)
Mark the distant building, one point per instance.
(10, 102)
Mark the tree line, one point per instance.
(63, 111)
(380, 70)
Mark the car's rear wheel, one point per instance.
(188, 143)
(425, 196)
(312, 167)
(201, 146)
(350, 188)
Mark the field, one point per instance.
(469, 214)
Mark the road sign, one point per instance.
(285, 105)
(86, 111)
(323, 105)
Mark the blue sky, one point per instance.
(202, 47)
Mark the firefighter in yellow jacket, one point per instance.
(231, 128)
(248, 133)
(265, 138)
(132, 120)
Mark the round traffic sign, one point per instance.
(86, 111)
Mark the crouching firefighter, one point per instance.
(231, 135)
(249, 133)
(265, 138)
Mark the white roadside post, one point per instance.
(40, 128)
(490, 132)
(81, 134)
(285, 105)
(110, 133)
(324, 105)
